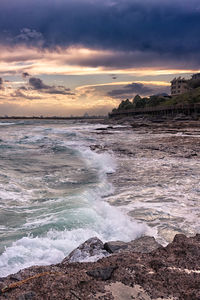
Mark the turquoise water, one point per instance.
(52, 189)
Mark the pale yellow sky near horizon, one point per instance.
(73, 81)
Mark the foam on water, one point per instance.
(53, 226)
(53, 246)
(6, 123)
(108, 223)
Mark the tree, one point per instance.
(139, 102)
(155, 100)
(125, 104)
(194, 83)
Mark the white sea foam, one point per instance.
(97, 218)
(94, 216)
(6, 123)
(52, 247)
(104, 162)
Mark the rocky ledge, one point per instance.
(141, 269)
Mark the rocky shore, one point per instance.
(141, 269)
(157, 176)
(181, 136)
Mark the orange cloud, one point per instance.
(74, 61)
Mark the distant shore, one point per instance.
(53, 118)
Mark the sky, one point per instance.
(69, 57)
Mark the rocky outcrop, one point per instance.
(144, 244)
(91, 250)
(171, 272)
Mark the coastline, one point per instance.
(157, 178)
(143, 276)
(137, 272)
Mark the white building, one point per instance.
(179, 86)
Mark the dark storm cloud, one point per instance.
(134, 59)
(129, 90)
(156, 26)
(38, 84)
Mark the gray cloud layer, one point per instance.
(150, 26)
(130, 90)
(38, 84)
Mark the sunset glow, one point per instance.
(78, 70)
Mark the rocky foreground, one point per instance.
(141, 269)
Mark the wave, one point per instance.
(96, 218)
(65, 222)
(109, 224)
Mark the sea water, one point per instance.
(52, 193)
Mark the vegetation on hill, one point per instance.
(191, 97)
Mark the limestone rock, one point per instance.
(145, 244)
(91, 250)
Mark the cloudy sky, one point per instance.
(68, 57)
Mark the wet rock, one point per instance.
(179, 238)
(145, 244)
(115, 246)
(96, 147)
(190, 155)
(102, 273)
(101, 128)
(91, 250)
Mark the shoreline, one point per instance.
(141, 270)
(54, 285)
(165, 160)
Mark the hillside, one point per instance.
(191, 97)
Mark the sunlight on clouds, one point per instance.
(159, 83)
(71, 61)
(93, 98)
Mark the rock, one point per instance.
(96, 147)
(115, 246)
(16, 277)
(102, 273)
(27, 296)
(190, 155)
(179, 238)
(101, 128)
(182, 117)
(170, 272)
(145, 244)
(91, 250)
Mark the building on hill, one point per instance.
(179, 86)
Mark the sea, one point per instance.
(56, 191)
